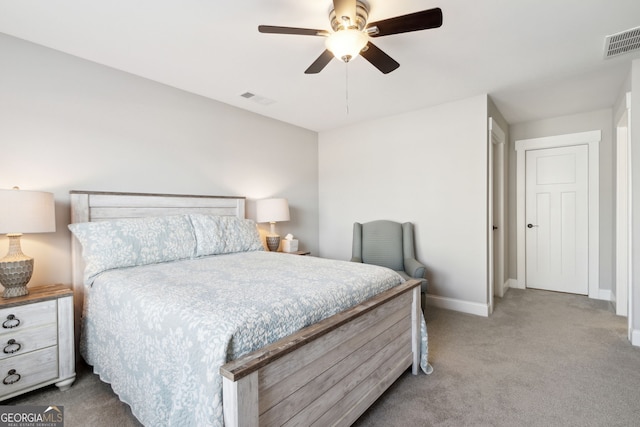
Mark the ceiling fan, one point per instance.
(351, 33)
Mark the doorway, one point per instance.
(590, 141)
(496, 213)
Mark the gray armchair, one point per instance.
(388, 244)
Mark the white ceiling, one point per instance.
(536, 58)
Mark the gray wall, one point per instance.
(70, 124)
(428, 167)
(594, 120)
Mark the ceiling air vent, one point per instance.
(257, 98)
(621, 43)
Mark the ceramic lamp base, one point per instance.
(15, 269)
(14, 276)
(273, 242)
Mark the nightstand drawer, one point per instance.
(19, 342)
(20, 372)
(26, 316)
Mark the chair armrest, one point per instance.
(414, 268)
(356, 259)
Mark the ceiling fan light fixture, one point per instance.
(352, 31)
(346, 44)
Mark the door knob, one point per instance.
(531, 225)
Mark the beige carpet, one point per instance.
(542, 359)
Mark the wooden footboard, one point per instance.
(331, 372)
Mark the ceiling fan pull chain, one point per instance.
(346, 85)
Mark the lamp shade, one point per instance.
(272, 210)
(26, 212)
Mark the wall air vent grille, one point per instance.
(621, 43)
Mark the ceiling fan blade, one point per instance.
(319, 64)
(270, 29)
(345, 8)
(379, 59)
(431, 18)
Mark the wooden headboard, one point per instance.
(89, 206)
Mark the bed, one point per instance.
(197, 334)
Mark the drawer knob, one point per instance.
(11, 322)
(11, 378)
(11, 347)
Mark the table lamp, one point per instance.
(272, 211)
(22, 212)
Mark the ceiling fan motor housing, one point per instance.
(362, 14)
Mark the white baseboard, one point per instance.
(458, 305)
(514, 283)
(511, 283)
(605, 294)
(635, 337)
(502, 289)
(479, 309)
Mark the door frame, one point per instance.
(497, 139)
(623, 260)
(592, 140)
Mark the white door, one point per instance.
(557, 209)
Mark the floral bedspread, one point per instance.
(159, 333)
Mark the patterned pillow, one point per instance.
(135, 241)
(224, 234)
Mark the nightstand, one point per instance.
(298, 253)
(37, 342)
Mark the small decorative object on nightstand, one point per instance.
(272, 211)
(289, 244)
(22, 212)
(37, 341)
